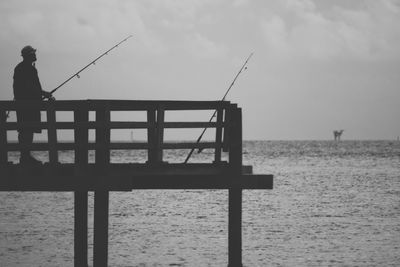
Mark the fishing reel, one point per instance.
(51, 98)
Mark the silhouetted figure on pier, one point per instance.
(27, 88)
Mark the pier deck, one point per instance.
(103, 176)
(128, 177)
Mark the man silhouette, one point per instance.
(27, 88)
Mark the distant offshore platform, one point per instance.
(337, 135)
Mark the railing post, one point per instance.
(218, 135)
(151, 136)
(3, 138)
(81, 136)
(52, 134)
(225, 145)
(235, 193)
(160, 133)
(101, 195)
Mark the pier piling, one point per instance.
(81, 228)
(235, 193)
(81, 137)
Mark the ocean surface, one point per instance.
(333, 204)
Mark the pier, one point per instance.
(103, 176)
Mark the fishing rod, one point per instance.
(92, 62)
(215, 112)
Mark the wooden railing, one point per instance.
(103, 125)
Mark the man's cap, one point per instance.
(27, 50)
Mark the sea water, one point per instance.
(333, 204)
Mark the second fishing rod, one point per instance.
(244, 66)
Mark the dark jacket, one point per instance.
(27, 88)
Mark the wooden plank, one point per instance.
(34, 146)
(165, 145)
(24, 104)
(103, 137)
(3, 138)
(189, 145)
(192, 124)
(132, 169)
(124, 145)
(101, 196)
(65, 125)
(227, 120)
(115, 145)
(151, 136)
(218, 136)
(199, 181)
(235, 228)
(25, 125)
(80, 228)
(117, 105)
(128, 125)
(81, 137)
(52, 135)
(160, 133)
(168, 105)
(135, 182)
(73, 146)
(100, 235)
(236, 143)
(39, 146)
(235, 194)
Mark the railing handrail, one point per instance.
(114, 105)
(154, 123)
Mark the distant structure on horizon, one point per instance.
(337, 135)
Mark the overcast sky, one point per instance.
(318, 65)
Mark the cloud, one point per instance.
(64, 26)
(201, 47)
(177, 10)
(240, 3)
(300, 29)
(289, 28)
(300, 6)
(275, 35)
